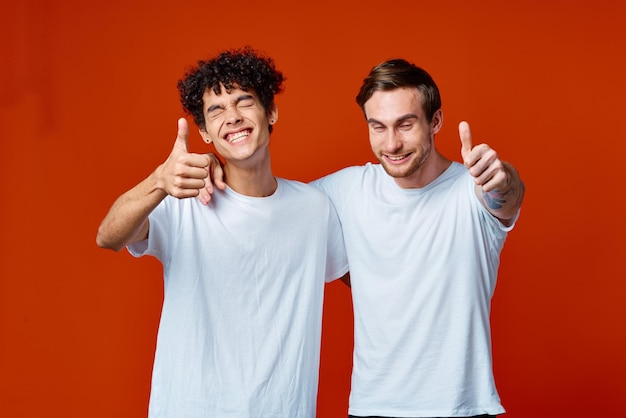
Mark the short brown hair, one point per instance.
(397, 73)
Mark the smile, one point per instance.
(397, 158)
(237, 136)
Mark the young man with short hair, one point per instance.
(423, 236)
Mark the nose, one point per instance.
(392, 142)
(232, 115)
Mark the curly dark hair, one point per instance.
(243, 68)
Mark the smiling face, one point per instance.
(400, 135)
(237, 124)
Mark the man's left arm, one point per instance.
(498, 185)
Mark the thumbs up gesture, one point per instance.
(183, 173)
(497, 182)
(483, 163)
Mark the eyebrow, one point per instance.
(399, 120)
(244, 97)
(239, 99)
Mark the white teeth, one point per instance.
(396, 158)
(238, 136)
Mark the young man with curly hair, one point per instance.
(244, 278)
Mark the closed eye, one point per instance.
(245, 100)
(245, 103)
(214, 111)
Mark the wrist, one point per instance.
(156, 181)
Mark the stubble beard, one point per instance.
(413, 167)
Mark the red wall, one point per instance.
(88, 107)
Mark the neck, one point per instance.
(254, 181)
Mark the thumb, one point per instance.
(466, 138)
(183, 134)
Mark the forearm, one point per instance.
(127, 220)
(504, 202)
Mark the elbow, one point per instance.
(104, 241)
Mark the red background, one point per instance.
(88, 107)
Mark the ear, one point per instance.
(272, 115)
(437, 121)
(205, 136)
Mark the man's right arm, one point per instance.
(127, 220)
(181, 175)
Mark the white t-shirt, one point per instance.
(423, 267)
(244, 281)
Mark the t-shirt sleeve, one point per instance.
(157, 244)
(337, 264)
(336, 186)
